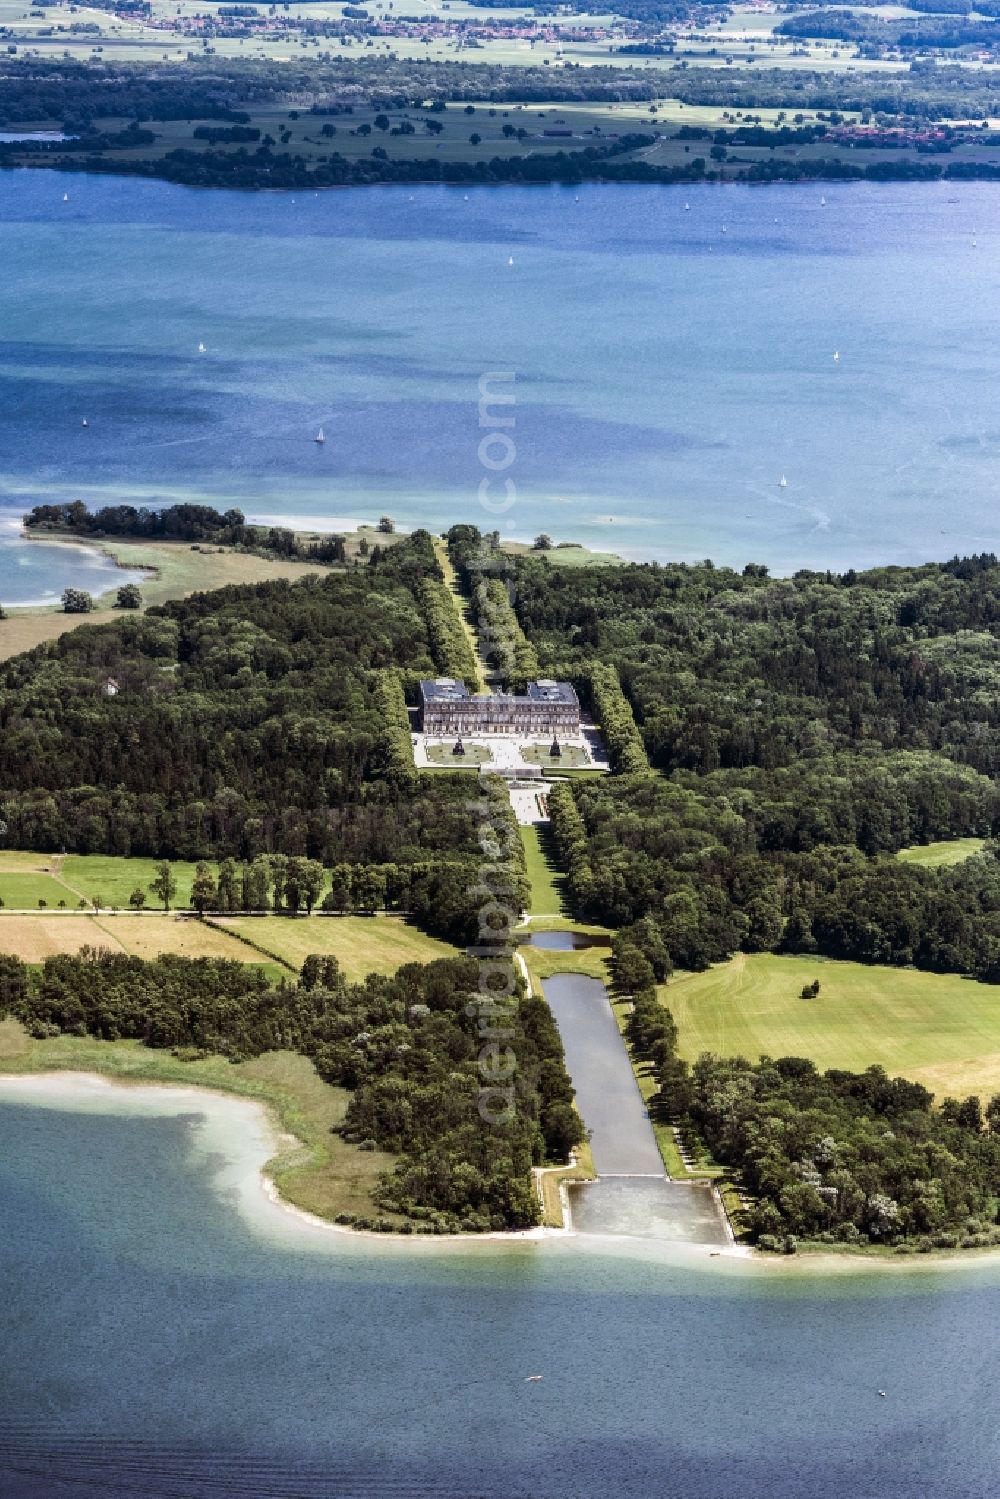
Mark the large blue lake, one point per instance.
(672, 352)
(160, 1337)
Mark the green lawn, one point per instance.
(23, 891)
(934, 855)
(114, 879)
(361, 944)
(443, 754)
(572, 757)
(941, 1030)
(546, 897)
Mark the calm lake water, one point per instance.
(36, 572)
(667, 373)
(161, 1338)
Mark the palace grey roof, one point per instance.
(447, 690)
(546, 691)
(443, 690)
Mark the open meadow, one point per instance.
(939, 1029)
(938, 855)
(361, 944)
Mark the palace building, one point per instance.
(447, 707)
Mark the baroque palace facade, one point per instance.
(447, 707)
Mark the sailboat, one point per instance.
(510, 260)
(65, 197)
(201, 348)
(822, 202)
(687, 207)
(320, 437)
(836, 356)
(782, 482)
(85, 423)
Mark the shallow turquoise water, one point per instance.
(667, 373)
(36, 572)
(157, 1342)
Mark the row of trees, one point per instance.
(626, 753)
(432, 892)
(449, 642)
(485, 574)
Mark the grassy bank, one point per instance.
(175, 570)
(316, 1171)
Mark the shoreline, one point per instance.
(57, 1087)
(87, 547)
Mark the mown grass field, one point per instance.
(316, 1171)
(937, 855)
(939, 1029)
(546, 895)
(21, 890)
(361, 944)
(25, 878)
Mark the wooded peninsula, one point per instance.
(774, 744)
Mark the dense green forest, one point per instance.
(257, 720)
(800, 732)
(408, 1047)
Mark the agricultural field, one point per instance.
(938, 855)
(37, 937)
(361, 944)
(939, 1029)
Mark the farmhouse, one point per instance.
(447, 707)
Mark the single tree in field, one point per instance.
(128, 597)
(76, 601)
(97, 902)
(386, 525)
(137, 899)
(164, 885)
(203, 889)
(542, 543)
